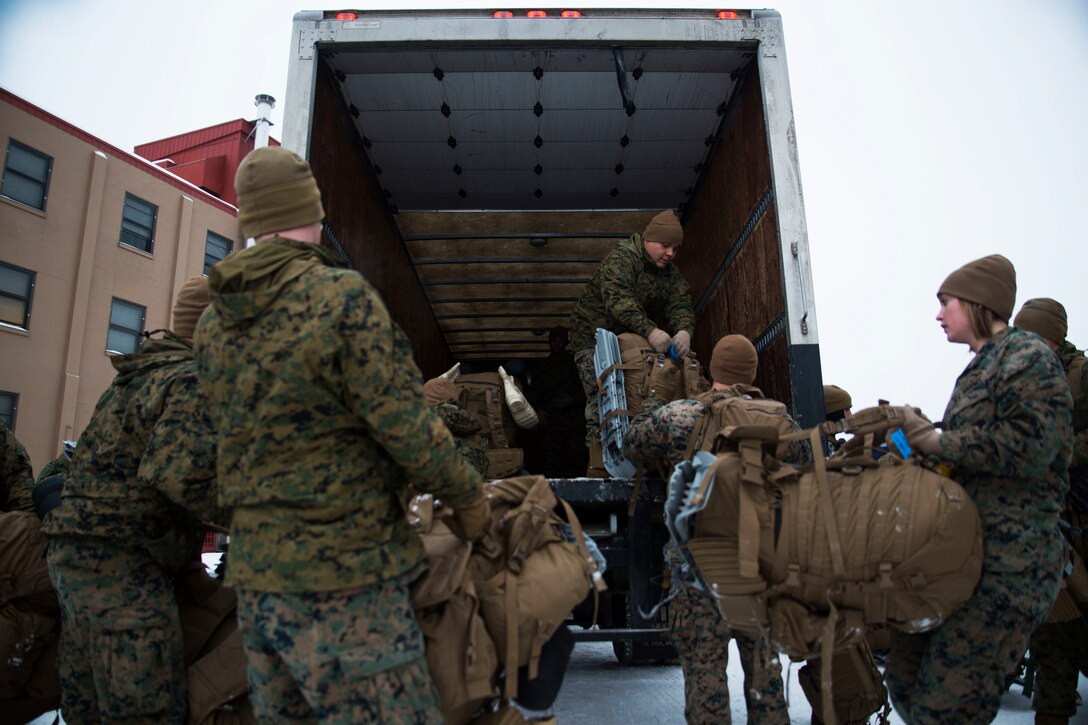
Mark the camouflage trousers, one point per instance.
(121, 656)
(701, 638)
(1059, 651)
(587, 373)
(955, 674)
(346, 656)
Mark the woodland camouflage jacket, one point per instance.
(322, 426)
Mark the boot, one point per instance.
(453, 373)
(523, 413)
(596, 461)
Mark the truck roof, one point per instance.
(462, 111)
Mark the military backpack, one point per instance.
(813, 554)
(482, 395)
(487, 608)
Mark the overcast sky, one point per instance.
(929, 135)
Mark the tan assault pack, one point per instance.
(482, 395)
(814, 554)
(215, 661)
(491, 605)
(29, 620)
(743, 405)
(647, 372)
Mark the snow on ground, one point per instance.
(660, 691)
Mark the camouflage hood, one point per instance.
(634, 245)
(154, 354)
(245, 283)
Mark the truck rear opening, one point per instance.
(476, 168)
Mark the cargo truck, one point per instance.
(476, 165)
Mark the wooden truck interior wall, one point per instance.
(495, 293)
(357, 216)
(731, 254)
(488, 285)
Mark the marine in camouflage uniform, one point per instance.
(139, 485)
(1059, 647)
(16, 476)
(699, 632)
(556, 394)
(1007, 436)
(322, 428)
(628, 292)
(56, 467)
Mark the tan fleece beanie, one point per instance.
(836, 399)
(734, 361)
(439, 390)
(276, 191)
(664, 228)
(192, 299)
(1045, 317)
(990, 282)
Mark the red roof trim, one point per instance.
(130, 159)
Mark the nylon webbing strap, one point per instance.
(751, 480)
(616, 366)
(823, 484)
(510, 689)
(827, 648)
(695, 440)
(493, 405)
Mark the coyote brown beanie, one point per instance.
(836, 399)
(276, 191)
(1045, 317)
(990, 282)
(192, 299)
(664, 228)
(438, 390)
(734, 361)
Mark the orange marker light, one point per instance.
(536, 14)
(502, 14)
(571, 14)
(727, 15)
(345, 16)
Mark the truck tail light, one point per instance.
(502, 14)
(571, 14)
(536, 14)
(727, 15)
(346, 16)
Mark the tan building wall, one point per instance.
(58, 366)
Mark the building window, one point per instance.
(26, 175)
(9, 403)
(215, 249)
(126, 324)
(138, 224)
(16, 289)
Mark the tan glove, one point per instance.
(682, 341)
(471, 519)
(659, 340)
(921, 434)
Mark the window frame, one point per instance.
(10, 419)
(115, 327)
(44, 183)
(154, 209)
(217, 236)
(28, 300)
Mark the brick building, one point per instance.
(94, 244)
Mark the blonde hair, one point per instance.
(980, 318)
